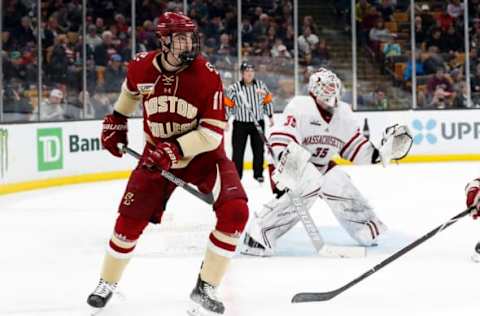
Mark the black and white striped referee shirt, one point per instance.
(245, 96)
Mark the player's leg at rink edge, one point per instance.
(119, 251)
(351, 209)
(231, 210)
(143, 201)
(232, 216)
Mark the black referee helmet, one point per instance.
(246, 65)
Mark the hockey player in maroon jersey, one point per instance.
(472, 191)
(184, 118)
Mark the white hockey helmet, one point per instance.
(326, 85)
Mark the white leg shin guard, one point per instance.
(278, 216)
(351, 209)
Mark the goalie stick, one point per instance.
(325, 296)
(316, 238)
(207, 198)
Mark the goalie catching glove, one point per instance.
(472, 191)
(395, 144)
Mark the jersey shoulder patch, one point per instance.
(205, 69)
(142, 59)
(139, 65)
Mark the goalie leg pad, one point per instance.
(351, 209)
(278, 216)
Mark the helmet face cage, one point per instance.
(325, 85)
(177, 27)
(179, 46)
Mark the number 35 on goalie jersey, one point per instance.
(303, 123)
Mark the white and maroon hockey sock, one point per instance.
(221, 248)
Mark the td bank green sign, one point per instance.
(49, 149)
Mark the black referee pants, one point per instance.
(240, 133)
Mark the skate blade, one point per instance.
(94, 311)
(198, 310)
(476, 257)
(254, 252)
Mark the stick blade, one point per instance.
(313, 297)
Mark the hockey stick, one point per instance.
(325, 296)
(207, 198)
(312, 230)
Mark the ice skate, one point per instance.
(204, 301)
(102, 294)
(368, 235)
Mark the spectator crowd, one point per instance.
(267, 41)
(266, 28)
(384, 31)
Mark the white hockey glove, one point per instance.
(395, 144)
(290, 168)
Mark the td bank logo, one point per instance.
(49, 149)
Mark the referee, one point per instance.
(244, 98)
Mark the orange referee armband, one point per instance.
(228, 102)
(267, 99)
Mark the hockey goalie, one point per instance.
(316, 128)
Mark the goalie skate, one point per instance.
(205, 301)
(255, 248)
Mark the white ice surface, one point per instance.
(52, 244)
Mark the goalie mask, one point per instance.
(325, 86)
(179, 35)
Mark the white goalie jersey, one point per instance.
(322, 136)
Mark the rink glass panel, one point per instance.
(62, 64)
(24, 91)
(109, 49)
(266, 29)
(19, 61)
(473, 57)
(219, 38)
(440, 45)
(383, 48)
(329, 45)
